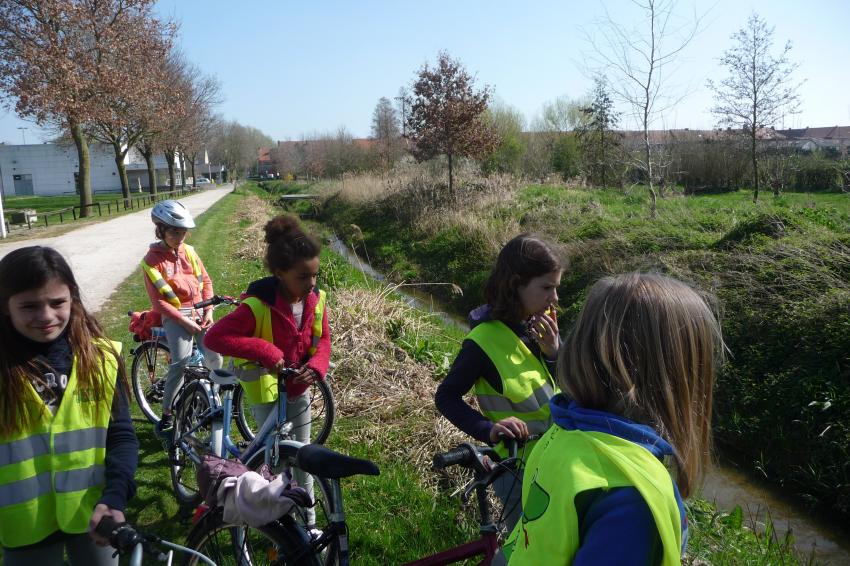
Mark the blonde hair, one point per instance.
(645, 347)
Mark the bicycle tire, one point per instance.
(150, 366)
(321, 498)
(279, 542)
(194, 401)
(322, 413)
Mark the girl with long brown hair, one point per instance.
(631, 432)
(68, 450)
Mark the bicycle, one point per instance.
(291, 543)
(127, 540)
(202, 425)
(151, 359)
(331, 547)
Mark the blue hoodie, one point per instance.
(619, 514)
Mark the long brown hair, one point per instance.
(522, 259)
(27, 269)
(645, 347)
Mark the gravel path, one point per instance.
(102, 255)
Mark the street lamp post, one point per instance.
(23, 133)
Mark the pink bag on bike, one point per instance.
(142, 322)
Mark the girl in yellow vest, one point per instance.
(637, 372)
(281, 323)
(68, 451)
(176, 279)
(508, 356)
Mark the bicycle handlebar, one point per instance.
(124, 538)
(217, 300)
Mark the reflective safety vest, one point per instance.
(568, 462)
(527, 385)
(52, 474)
(162, 285)
(259, 385)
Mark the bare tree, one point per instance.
(63, 61)
(385, 131)
(636, 60)
(759, 89)
(446, 114)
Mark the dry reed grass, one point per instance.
(251, 244)
(377, 383)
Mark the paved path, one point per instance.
(102, 255)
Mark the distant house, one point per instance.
(51, 169)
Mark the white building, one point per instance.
(51, 169)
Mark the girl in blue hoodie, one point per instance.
(631, 431)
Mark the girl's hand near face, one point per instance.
(544, 330)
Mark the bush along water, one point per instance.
(780, 270)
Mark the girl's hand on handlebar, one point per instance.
(511, 427)
(101, 511)
(278, 367)
(207, 320)
(305, 375)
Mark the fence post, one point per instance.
(74, 212)
(61, 220)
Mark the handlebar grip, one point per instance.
(209, 302)
(453, 457)
(107, 527)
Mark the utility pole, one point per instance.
(23, 133)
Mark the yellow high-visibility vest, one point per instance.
(52, 475)
(568, 462)
(161, 283)
(527, 385)
(259, 385)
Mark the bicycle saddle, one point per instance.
(223, 377)
(324, 462)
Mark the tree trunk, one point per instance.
(755, 166)
(653, 198)
(148, 155)
(83, 175)
(182, 172)
(122, 172)
(451, 179)
(169, 158)
(192, 165)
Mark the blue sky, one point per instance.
(296, 68)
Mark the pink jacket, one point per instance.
(177, 271)
(233, 335)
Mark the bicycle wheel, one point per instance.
(150, 365)
(281, 542)
(322, 413)
(193, 404)
(321, 499)
(243, 416)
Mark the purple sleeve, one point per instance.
(621, 515)
(122, 454)
(470, 364)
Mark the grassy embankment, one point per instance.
(780, 269)
(462, 250)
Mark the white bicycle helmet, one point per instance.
(172, 213)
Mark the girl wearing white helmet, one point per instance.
(176, 279)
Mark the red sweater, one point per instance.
(233, 335)
(177, 271)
